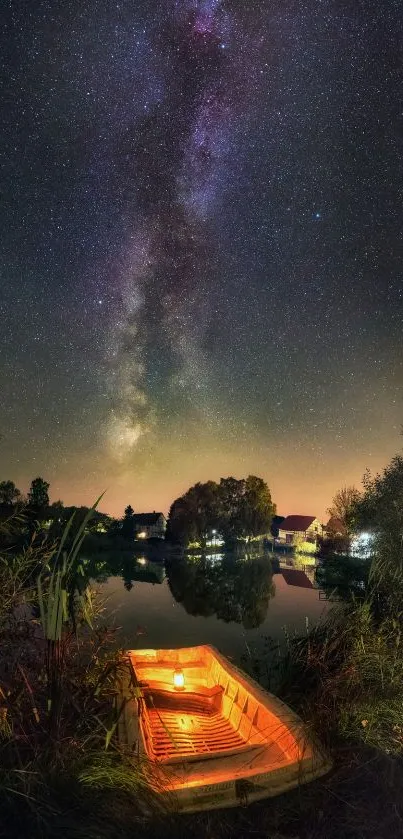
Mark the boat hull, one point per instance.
(221, 740)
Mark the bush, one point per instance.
(346, 678)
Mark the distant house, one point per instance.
(150, 525)
(294, 527)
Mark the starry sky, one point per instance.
(201, 246)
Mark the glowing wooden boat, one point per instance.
(209, 735)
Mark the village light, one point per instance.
(142, 535)
(179, 680)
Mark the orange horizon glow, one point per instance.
(299, 483)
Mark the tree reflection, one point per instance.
(233, 589)
(131, 568)
(343, 577)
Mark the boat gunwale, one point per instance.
(187, 781)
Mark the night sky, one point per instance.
(201, 246)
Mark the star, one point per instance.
(201, 215)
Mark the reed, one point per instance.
(58, 674)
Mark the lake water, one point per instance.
(232, 603)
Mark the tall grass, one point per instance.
(58, 674)
(346, 678)
(64, 600)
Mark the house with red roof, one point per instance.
(294, 528)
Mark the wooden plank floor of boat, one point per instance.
(177, 734)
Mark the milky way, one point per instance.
(201, 246)
(178, 167)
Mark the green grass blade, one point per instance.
(41, 602)
(81, 531)
(53, 617)
(65, 535)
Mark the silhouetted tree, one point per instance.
(275, 525)
(128, 530)
(56, 507)
(232, 511)
(236, 508)
(343, 505)
(258, 508)
(38, 494)
(115, 528)
(192, 515)
(9, 494)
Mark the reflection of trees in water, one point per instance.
(125, 566)
(232, 589)
(343, 577)
(127, 572)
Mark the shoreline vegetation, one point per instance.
(62, 770)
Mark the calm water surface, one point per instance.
(231, 603)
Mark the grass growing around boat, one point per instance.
(59, 762)
(62, 772)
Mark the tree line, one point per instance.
(235, 509)
(38, 494)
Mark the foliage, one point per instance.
(63, 599)
(381, 505)
(9, 494)
(115, 529)
(346, 676)
(57, 507)
(128, 528)
(246, 507)
(60, 516)
(14, 530)
(191, 515)
(334, 544)
(275, 525)
(38, 496)
(343, 505)
(235, 508)
(302, 546)
(380, 511)
(57, 688)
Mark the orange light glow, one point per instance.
(179, 680)
(220, 714)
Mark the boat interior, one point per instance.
(195, 705)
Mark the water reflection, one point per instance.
(343, 577)
(232, 602)
(130, 568)
(228, 587)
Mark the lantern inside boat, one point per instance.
(179, 679)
